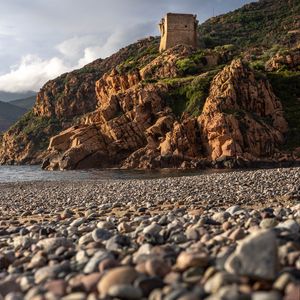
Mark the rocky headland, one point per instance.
(234, 101)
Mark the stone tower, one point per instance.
(178, 29)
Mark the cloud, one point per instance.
(33, 71)
(89, 30)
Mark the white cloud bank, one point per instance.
(33, 72)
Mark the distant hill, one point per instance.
(26, 103)
(9, 114)
(7, 96)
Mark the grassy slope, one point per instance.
(264, 23)
(286, 86)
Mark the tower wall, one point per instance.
(178, 29)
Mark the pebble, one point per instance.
(125, 291)
(51, 244)
(255, 256)
(191, 259)
(116, 276)
(212, 236)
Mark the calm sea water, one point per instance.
(35, 173)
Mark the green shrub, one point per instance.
(187, 66)
(286, 86)
(36, 129)
(188, 95)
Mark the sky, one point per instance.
(41, 39)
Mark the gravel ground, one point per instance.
(219, 236)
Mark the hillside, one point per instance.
(264, 23)
(9, 114)
(26, 103)
(142, 109)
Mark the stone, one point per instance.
(125, 291)
(191, 259)
(56, 287)
(220, 279)
(90, 281)
(50, 272)
(105, 225)
(266, 296)
(75, 296)
(51, 244)
(292, 291)
(148, 284)
(233, 209)
(157, 267)
(116, 276)
(152, 229)
(192, 234)
(107, 263)
(282, 281)
(290, 225)
(255, 256)
(268, 223)
(124, 227)
(8, 285)
(100, 234)
(37, 261)
(22, 242)
(14, 296)
(85, 239)
(78, 222)
(237, 234)
(118, 242)
(92, 265)
(221, 217)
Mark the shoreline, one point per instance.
(232, 186)
(153, 238)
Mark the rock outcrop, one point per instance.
(289, 60)
(134, 127)
(59, 105)
(241, 116)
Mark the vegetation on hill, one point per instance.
(263, 23)
(34, 129)
(286, 85)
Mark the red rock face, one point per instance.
(242, 116)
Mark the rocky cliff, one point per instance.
(135, 126)
(60, 102)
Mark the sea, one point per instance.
(10, 174)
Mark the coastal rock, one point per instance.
(227, 124)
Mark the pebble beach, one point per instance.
(220, 236)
